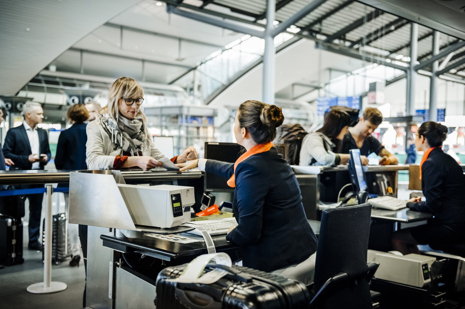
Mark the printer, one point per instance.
(410, 269)
(161, 206)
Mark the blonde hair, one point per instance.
(124, 87)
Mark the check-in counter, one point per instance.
(327, 184)
(381, 180)
(120, 264)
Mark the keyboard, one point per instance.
(214, 227)
(388, 202)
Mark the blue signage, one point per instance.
(441, 114)
(323, 103)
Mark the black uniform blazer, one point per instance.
(272, 230)
(443, 185)
(18, 148)
(71, 148)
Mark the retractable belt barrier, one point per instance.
(31, 191)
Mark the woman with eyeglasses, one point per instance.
(442, 183)
(119, 137)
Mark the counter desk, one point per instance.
(326, 184)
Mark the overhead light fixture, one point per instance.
(158, 3)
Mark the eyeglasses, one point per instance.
(130, 101)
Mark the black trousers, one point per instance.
(83, 239)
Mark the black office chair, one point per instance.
(342, 274)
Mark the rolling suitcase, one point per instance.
(241, 288)
(11, 240)
(59, 238)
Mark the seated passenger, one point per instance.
(318, 147)
(443, 184)
(272, 229)
(119, 137)
(359, 137)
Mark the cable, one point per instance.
(340, 191)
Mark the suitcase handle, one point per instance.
(196, 300)
(238, 275)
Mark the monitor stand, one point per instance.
(362, 197)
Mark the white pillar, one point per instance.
(269, 56)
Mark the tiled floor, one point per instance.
(14, 281)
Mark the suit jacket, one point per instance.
(443, 185)
(18, 148)
(71, 148)
(272, 230)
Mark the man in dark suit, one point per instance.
(27, 145)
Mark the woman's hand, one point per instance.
(188, 165)
(415, 200)
(364, 160)
(144, 162)
(189, 154)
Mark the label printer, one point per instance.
(162, 206)
(410, 269)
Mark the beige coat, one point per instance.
(99, 149)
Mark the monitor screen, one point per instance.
(226, 152)
(356, 170)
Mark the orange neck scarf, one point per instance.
(425, 157)
(252, 151)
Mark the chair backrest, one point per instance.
(342, 248)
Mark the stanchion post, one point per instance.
(48, 286)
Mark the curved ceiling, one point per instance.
(33, 33)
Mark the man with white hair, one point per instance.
(27, 145)
(93, 109)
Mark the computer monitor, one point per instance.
(226, 152)
(357, 176)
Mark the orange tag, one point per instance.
(209, 211)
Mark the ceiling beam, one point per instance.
(212, 13)
(381, 32)
(215, 22)
(358, 23)
(279, 5)
(93, 52)
(441, 47)
(408, 44)
(451, 66)
(297, 16)
(442, 54)
(143, 31)
(350, 53)
(239, 11)
(325, 16)
(205, 3)
(458, 56)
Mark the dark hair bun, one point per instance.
(442, 131)
(272, 116)
(435, 133)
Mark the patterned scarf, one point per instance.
(127, 135)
